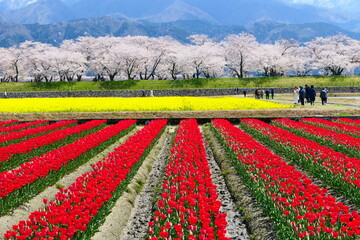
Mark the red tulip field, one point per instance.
(241, 179)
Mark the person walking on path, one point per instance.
(324, 96)
(302, 95)
(296, 95)
(312, 94)
(245, 92)
(272, 93)
(267, 94)
(307, 92)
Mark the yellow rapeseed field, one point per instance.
(33, 105)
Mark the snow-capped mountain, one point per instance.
(343, 13)
(9, 5)
(40, 11)
(180, 11)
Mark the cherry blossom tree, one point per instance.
(273, 59)
(300, 60)
(204, 56)
(69, 64)
(9, 64)
(151, 52)
(240, 53)
(141, 57)
(334, 54)
(39, 61)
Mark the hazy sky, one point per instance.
(326, 3)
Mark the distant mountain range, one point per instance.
(52, 21)
(265, 31)
(225, 12)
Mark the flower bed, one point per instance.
(79, 209)
(7, 122)
(348, 121)
(336, 169)
(13, 155)
(339, 141)
(17, 184)
(6, 138)
(22, 126)
(299, 208)
(339, 127)
(134, 104)
(188, 208)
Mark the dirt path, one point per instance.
(128, 218)
(23, 211)
(137, 226)
(236, 229)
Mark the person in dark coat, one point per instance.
(302, 95)
(312, 94)
(307, 91)
(245, 92)
(267, 94)
(272, 93)
(324, 96)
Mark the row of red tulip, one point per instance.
(6, 153)
(21, 126)
(75, 207)
(7, 122)
(337, 169)
(349, 129)
(337, 163)
(329, 135)
(188, 208)
(355, 122)
(39, 167)
(33, 131)
(299, 204)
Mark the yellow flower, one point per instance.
(32, 105)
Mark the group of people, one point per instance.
(308, 94)
(259, 94)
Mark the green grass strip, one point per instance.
(270, 82)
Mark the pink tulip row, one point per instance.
(308, 210)
(32, 131)
(74, 207)
(33, 143)
(188, 208)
